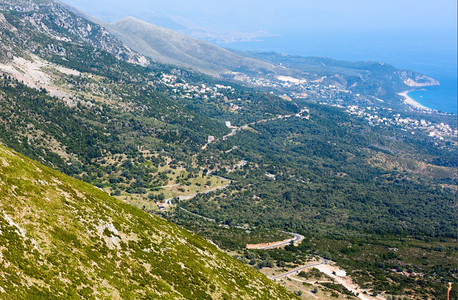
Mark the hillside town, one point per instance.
(383, 116)
(329, 95)
(186, 90)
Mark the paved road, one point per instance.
(235, 130)
(297, 239)
(297, 270)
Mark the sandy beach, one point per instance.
(412, 102)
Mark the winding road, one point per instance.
(297, 270)
(297, 239)
(246, 126)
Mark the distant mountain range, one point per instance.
(119, 9)
(170, 47)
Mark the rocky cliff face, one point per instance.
(414, 79)
(56, 21)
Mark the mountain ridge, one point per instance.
(69, 26)
(170, 47)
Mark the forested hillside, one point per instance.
(358, 176)
(62, 238)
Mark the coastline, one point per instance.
(408, 100)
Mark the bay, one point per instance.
(431, 53)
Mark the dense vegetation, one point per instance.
(355, 190)
(73, 138)
(327, 187)
(323, 173)
(226, 237)
(75, 241)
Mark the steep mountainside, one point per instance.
(370, 183)
(170, 47)
(54, 20)
(62, 238)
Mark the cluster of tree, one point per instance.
(326, 188)
(323, 181)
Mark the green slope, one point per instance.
(170, 47)
(62, 238)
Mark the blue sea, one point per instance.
(442, 98)
(431, 53)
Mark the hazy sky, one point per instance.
(420, 35)
(289, 15)
(415, 34)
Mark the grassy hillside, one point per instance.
(170, 47)
(62, 238)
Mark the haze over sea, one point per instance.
(430, 53)
(419, 35)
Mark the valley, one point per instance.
(254, 147)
